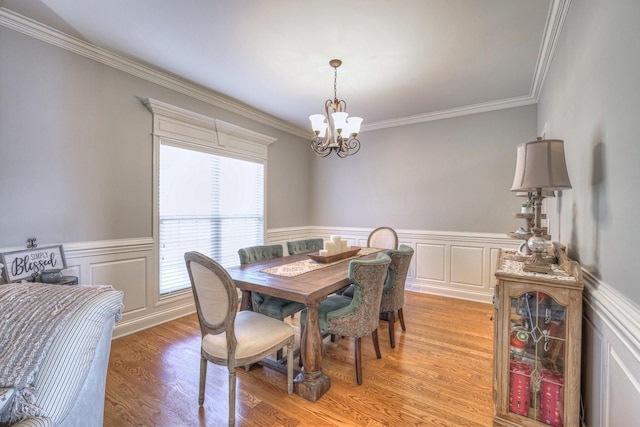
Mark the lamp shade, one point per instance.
(541, 164)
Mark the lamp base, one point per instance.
(538, 264)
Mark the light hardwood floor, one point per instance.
(439, 374)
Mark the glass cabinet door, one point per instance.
(537, 358)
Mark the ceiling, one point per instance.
(404, 61)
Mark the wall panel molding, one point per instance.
(437, 253)
(611, 356)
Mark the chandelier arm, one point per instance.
(353, 146)
(329, 134)
(319, 149)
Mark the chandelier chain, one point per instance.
(335, 84)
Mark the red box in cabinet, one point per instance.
(519, 387)
(551, 397)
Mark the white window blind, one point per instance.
(207, 203)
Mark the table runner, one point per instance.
(300, 267)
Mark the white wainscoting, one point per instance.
(128, 266)
(610, 357)
(453, 264)
(459, 265)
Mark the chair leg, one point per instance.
(232, 397)
(374, 336)
(290, 363)
(333, 337)
(301, 335)
(203, 379)
(401, 317)
(392, 329)
(279, 354)
(358, 348)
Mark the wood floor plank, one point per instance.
(439, 374)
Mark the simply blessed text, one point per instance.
(33, 263)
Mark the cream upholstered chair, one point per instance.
(302, 246)
(383, 238)
(358, 316)
(230, 337)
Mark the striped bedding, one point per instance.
(59, 328)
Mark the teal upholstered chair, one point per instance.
(305, 245)
(278, 308)
(358, 316)
(393, 290)
(231, 338)
(383, 238)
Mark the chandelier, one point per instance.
(338, 133)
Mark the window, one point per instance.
(209, 178)
(207, 203)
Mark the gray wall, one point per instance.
(591, 99)
(444, 175)
(75, 149)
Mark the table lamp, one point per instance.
(524, 248)
(540, 167)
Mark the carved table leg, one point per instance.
(312, 383)
(246, 301)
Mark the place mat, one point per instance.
(300, 267)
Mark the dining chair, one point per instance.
(358, 316)
(383, 238)
(393, 290)
(278, 308)
(305, 245)
(230, 337)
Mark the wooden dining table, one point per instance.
(273, 277)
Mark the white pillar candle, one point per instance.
(329, 247)
(323, 252)
(336, 243)
(343, 245)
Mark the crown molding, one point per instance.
(39, 31)
(552, 30)
(454, 112)
(555, 20)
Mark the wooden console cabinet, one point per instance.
(537, 344)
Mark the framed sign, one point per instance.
(25, 263)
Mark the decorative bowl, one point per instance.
(51, 276)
